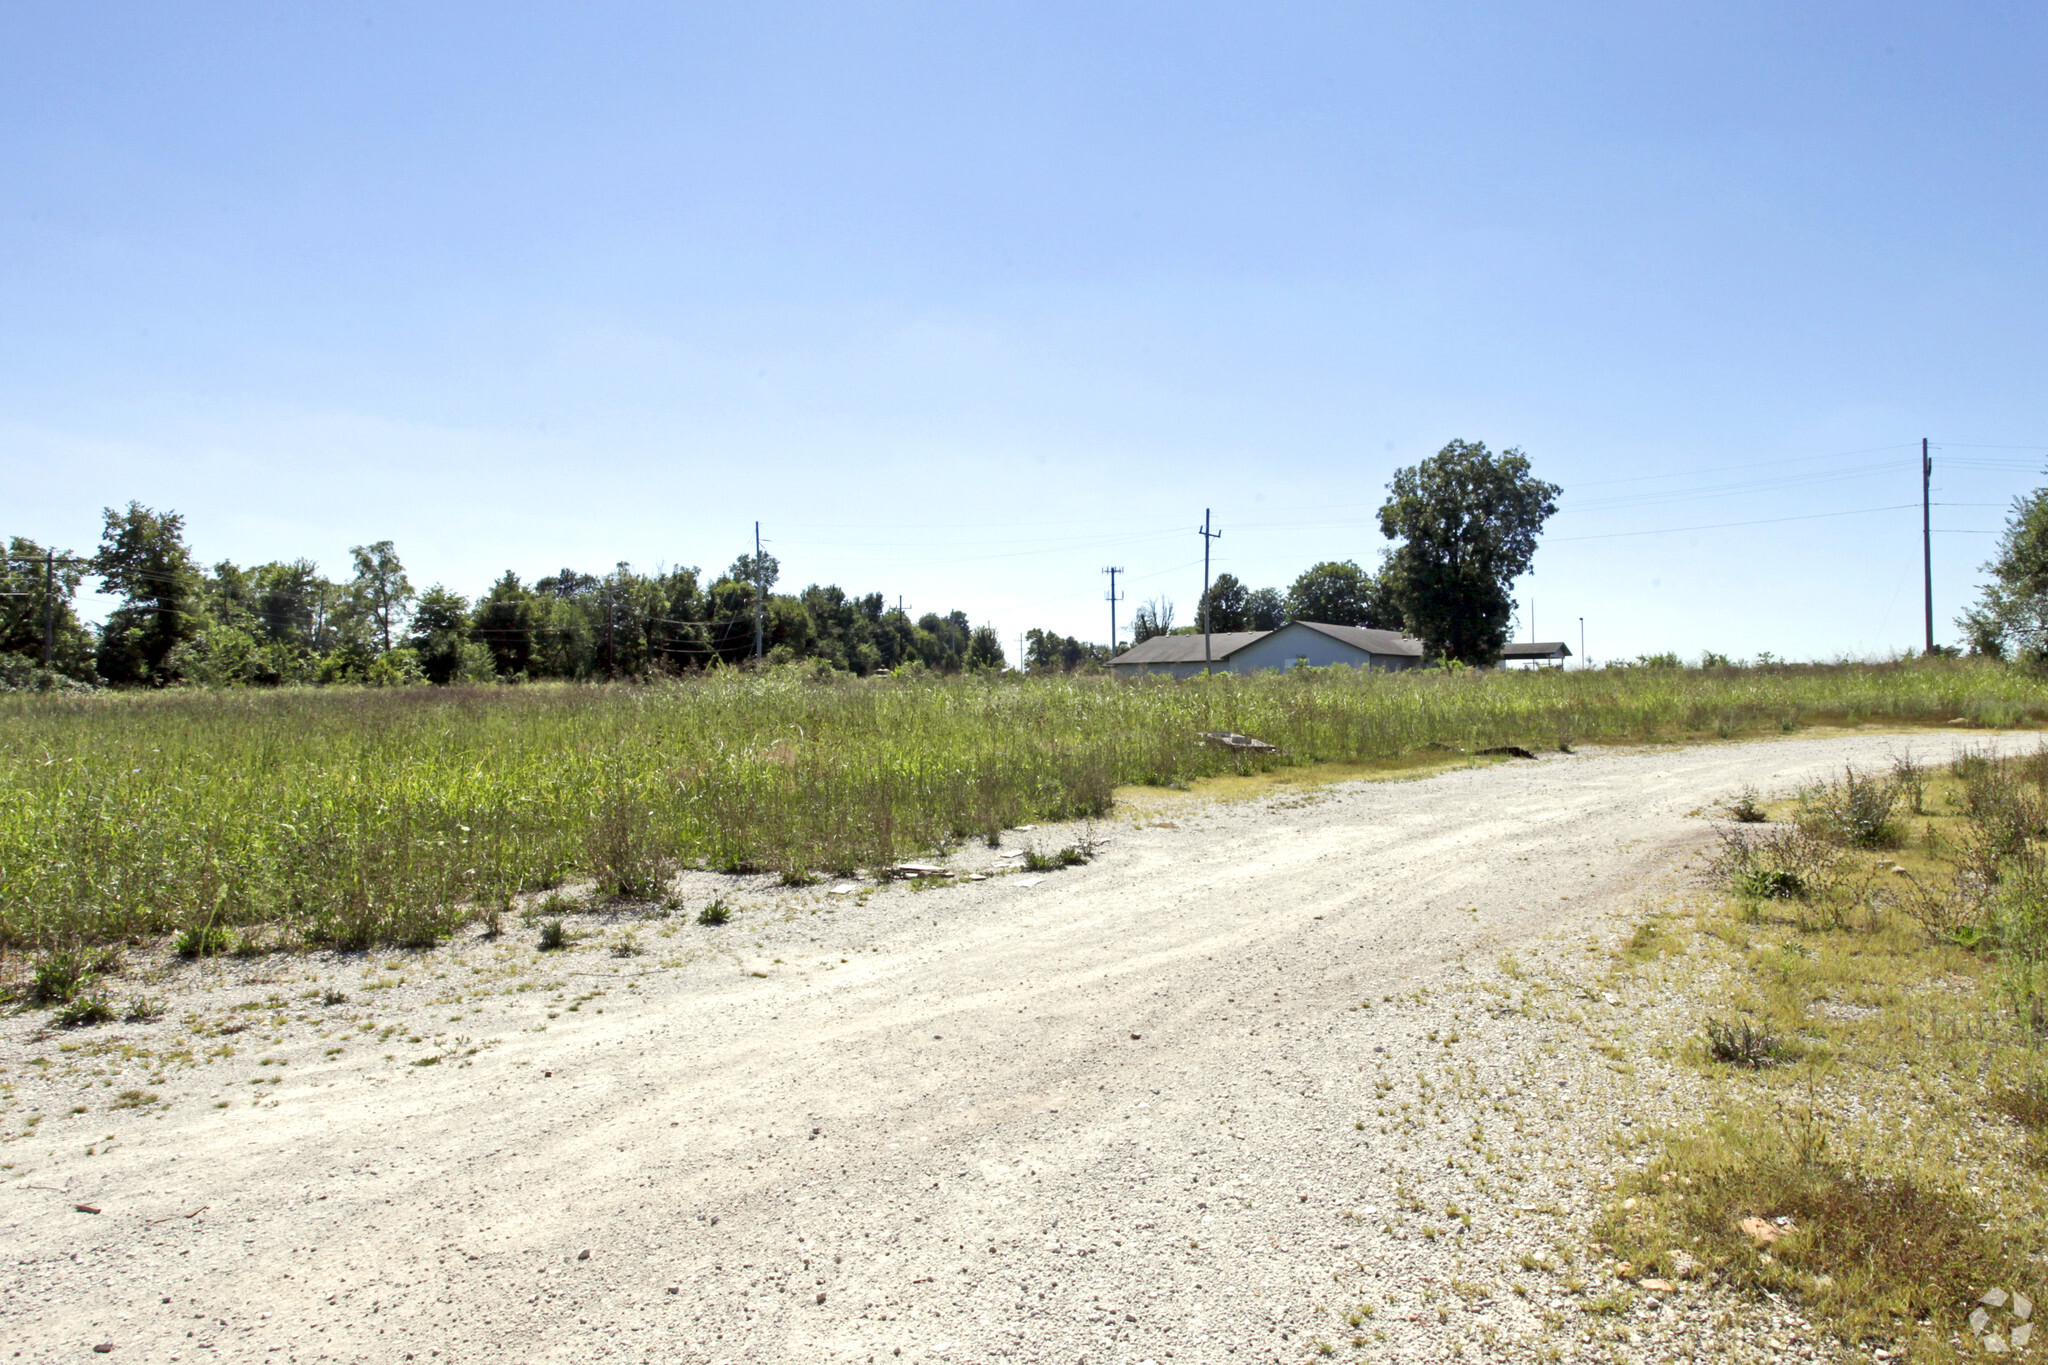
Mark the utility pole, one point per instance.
(1113, 572)
(1208, 663)
(760, 591)
(1927, 539)
(49, 606)
(1584, 662)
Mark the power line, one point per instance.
(1726, 525)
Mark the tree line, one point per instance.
(286, 623)
(1466, 522)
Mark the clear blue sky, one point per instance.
(966, 301)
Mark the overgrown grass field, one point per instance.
(357, 817)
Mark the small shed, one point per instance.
(1537, 653)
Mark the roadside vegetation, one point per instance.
(357, 817)
(1875, 1142)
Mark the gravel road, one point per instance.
(1131, 1112)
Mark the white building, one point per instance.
(1247, 651)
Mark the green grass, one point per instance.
(357, 818)
(1868, 1072)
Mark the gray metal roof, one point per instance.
(1187, 649)
(1546, 649)
(1366, 638)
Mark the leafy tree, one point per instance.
(1048, 651)
(291, 602)
(142, 557)
(440, 640)
(380, 588)
(1339, 593)
(1265, 609)
(985, 649)
(844, 628)
(944, 640)
(29, 583)
(1229, 604)
(790, 634)
(395, 668)
(1468, 521)
(896, 639)
(1152, 618)
(503, 623)
(2010, 619)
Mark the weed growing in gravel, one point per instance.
(84, 1010)
(1856, 812)
(201, 940)
(1747, 808)
(553, 935)
(1742, 1044)
(715, 913)
(58, 975)
(1070, 856)
(1783, 863)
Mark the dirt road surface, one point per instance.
(1131, 1112)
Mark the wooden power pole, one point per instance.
(1208, 663)
(1112, 572)
(760, 592)
(1927, 540)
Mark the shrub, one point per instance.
(1911, 780)
(1746, 808)
(1741, 1044)
(1784, 863)
(2018, 922)
(623, 855)
(86, 1009)
(59, 975)
(1855, 812)
(1768, 884)
(201, 940)
(1069, 856)
(553, 935)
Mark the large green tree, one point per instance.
(1467, 520)
(503, 623)
(1265, 609)
(1229, 604)
(441, 639)
(381, 590)
(1339, 593)
(143, 558)
(2010, 619)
